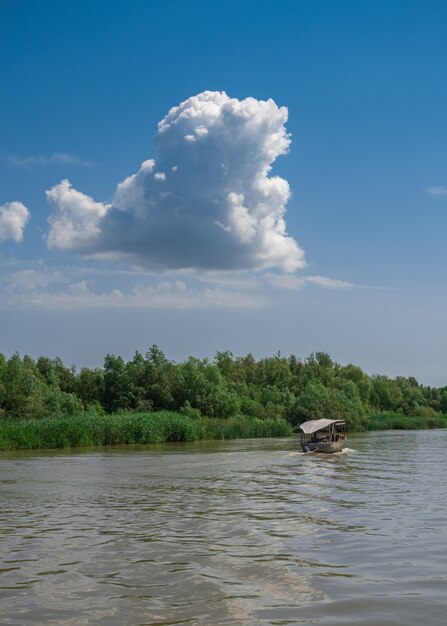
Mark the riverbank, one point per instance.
(397, 421)
(130, 428)
(92, 429)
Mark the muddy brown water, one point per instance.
(219, 533)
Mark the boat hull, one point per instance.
(326, 446)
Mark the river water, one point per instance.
(215, 533)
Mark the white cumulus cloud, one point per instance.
(13, 219)
(75, 223)
(208, 201)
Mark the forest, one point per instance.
(277, 388)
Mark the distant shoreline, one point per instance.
(90, 429)
(44, 403)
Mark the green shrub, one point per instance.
(189, 411)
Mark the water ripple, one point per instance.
(220, 533)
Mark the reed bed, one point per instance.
(397, 421)
(130, 428)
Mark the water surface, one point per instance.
(216, 533)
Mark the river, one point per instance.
(227, 533)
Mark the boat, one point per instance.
(323, 436)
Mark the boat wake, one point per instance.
(344, 451)
(316, 453)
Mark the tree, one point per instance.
(319, 402)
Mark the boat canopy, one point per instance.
(311, 427)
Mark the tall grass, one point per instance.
(130, 428)
(389, 420)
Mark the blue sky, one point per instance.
(84, 85)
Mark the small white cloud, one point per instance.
(294, 282)
(200, 131)
(30, 279)
(78, 289)
(438, 190)
(13, 219)
(162, 295)
(329, 283)
(221, 211)
(61, 158)
(286, 281)
(231, 280)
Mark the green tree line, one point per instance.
(276, 387)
